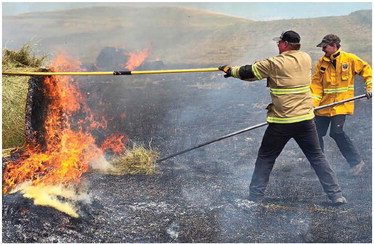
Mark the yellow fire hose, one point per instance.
(124, 72)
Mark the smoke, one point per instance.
(61, 197)
(101, 164)
(173, 229)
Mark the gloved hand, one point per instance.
(226, 69)
(368, 94)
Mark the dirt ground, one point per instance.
(201, 196)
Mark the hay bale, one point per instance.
(14, 93)
(138, 160)
(14, 102)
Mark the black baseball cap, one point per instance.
(288, 36)
(329, 39)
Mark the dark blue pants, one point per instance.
(337, 133)
(275, 138)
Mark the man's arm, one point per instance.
(363, 69)
(316, 86)
(253, 72)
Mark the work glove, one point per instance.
(226, 69)
(368, 93)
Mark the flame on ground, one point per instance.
(51, 195)
(70, 145)
(136, 58)
(115, 143)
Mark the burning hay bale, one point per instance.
(111, 58)
(64, 139)
(119, 58)
(137, 160)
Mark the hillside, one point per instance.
(176, 35)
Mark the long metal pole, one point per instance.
(215, 140)
(341, 102)
(124, 72)
(254, 127)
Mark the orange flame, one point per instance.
(136, 58)
(116, 144)
(69, 144)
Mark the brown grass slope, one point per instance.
(172, 31)
(355, 30)
(178, 34)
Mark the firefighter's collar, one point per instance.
(333, 56)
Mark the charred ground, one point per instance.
(201, 196)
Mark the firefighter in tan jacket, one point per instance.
(290, 115)
(333, 81)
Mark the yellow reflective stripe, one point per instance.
(290, 120)
(317, 97)
(235, 72)
(368, 82)
(337, 90)
(290, 90)
(256, 72)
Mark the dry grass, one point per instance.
(138, 160)
(21, 58)
(15, 94)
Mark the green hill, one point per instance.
(177, 35)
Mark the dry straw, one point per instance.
(138, 160)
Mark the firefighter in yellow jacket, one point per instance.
(290, 115)
(333, 81)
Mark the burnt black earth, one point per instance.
(201, 196)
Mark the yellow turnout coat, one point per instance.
(333, 81)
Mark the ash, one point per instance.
(201, 196)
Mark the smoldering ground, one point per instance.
(201, 196)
